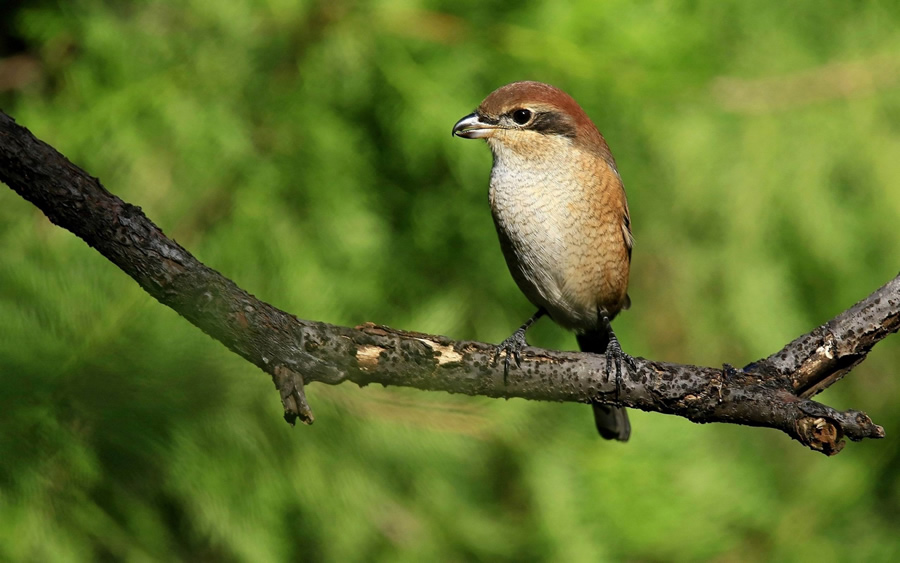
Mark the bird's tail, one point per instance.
(612, 422)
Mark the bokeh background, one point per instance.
(303, 149)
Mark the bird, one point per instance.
(559, 207)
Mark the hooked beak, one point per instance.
(473, 126)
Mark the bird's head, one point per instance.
(532, 118)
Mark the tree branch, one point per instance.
(773, 392)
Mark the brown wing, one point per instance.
(629, 244)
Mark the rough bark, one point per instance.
(772, 392)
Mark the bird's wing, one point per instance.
(626, 231)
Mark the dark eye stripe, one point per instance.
(487, 119)
(552, 123)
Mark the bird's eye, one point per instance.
(521, 116)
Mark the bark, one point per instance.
(773, 392)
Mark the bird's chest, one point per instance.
(559, 213)
(533, 210)
(539, 214)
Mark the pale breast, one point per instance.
(555, 238)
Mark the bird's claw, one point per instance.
(512, 349)
(614, 358)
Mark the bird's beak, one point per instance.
(473, 126)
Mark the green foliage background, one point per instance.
(303, 149)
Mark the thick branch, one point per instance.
(820, 358)
(771, 393)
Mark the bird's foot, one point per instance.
(512, 349)
(614, 358)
